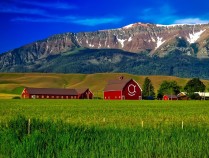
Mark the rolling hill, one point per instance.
(12, 84)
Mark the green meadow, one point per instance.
(99, 128)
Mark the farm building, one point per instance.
(203, 95)
(170, 97)
(182, 96)
(55, 93)
(122, 89)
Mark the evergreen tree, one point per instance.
(194, 85)
(167, 87)
(148, 89)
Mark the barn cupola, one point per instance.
(121, 77)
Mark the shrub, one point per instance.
(16, 97)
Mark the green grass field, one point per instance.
(115, 113)
(99, 128)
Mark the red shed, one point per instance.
(84, 94)
(123, 89)
(170, 97)
(55, 93)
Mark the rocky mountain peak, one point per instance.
(151, 39)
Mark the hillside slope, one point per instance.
(13, 83)
(136, 49)
(105, 60)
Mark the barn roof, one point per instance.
(52, 91)
(81, 91)
(182, 94)
(116, 84)
(171, 96)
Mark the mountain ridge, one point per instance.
(139, 38)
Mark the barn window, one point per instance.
(119, 97)
(66, 97)
(57, 97)
(42, 96)
(52, 96)
(62, 97)
(71, 97)
(75, 97)
(47, 96)
(37, 96)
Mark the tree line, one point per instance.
(172, 88)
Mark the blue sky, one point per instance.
(25, 21)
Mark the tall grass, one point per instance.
(97, 128)
(109, 113)
(59, 139)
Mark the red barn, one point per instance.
(123, 89)
(170, 97)
(55, 93)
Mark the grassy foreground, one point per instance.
(108, 113)
(97, 128)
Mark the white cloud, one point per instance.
(45, 16)
(70, 19)
(66, 19)
(51, 5)
(97, 21)
(191, 21)
(14, 9)
(163, 14)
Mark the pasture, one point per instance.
(108, 113)
(98, 128)
(12, 84)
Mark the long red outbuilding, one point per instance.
(56, 93)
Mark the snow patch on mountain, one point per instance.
(171, 25)
(91, 45)
(193, 37)
(121, 41)
(159, 42)
(99, 45)
(129, 39)
(131, 25)
(128, 26)
(153, 40)
(174, 25)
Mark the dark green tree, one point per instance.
(148, 89)
(194, 85)
(167, 87)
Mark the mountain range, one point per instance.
(142, 49)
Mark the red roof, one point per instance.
(54, 91)
(171, 96)
(116, 84)
(81, 91)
